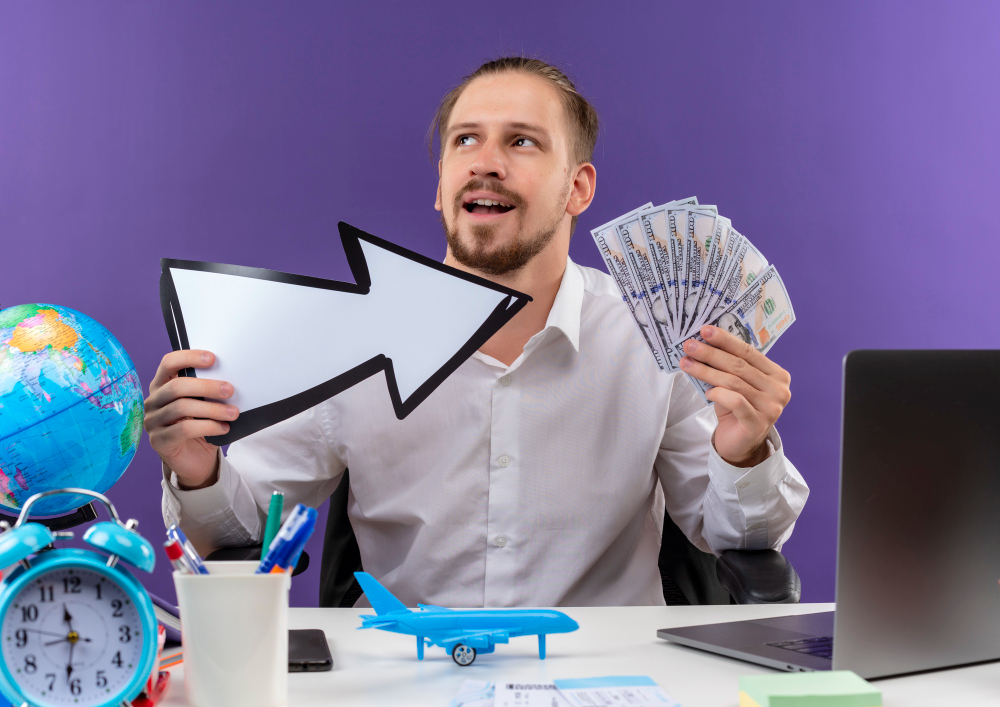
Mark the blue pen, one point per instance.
(194, 559)
(290, 540)
(298, 544)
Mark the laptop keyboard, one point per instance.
(819, 646)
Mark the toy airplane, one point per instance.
(460, 632)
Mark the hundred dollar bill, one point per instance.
(651, 295)
(759, 316)
(748, 263)
(653, 223)
(616, 263)
(716, 261)
(697, 242)
(676, 218)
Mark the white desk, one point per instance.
(377, 668)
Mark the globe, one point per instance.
(70, 407)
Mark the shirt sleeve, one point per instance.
(294, 456)
(719, 506)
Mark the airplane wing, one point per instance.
(476, 639)
(432, 607)
(370, 621)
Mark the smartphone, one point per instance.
(308, 651)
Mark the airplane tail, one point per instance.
(381, 598)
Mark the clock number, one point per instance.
(98, 591)
(117, 660)
(46, 592)
(75, 687)
(126, 634)
(102, 681)
(29, 613)
(51, 677)
(22, 637)
(71, 585)
(117, 606)
(29, 664)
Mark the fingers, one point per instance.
(728, 363)
(164, 437)
(176, 361)
(745, 412)
(183, 387)
(741, 349)
(188, 408)
(724, 379)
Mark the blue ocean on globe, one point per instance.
(70, 407)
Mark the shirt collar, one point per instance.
(566, 309)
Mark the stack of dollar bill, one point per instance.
(680, 266)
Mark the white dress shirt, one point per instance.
(542, 483)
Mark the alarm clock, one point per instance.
(76, 628)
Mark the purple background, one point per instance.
(855, 143)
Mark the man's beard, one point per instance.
(510, 256)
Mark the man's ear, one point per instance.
(437, 201)
(582, 189)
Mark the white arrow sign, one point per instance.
(287, 342)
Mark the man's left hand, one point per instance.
(750, 393)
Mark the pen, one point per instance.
(290, 540)
(176, 555)
(190, 554)
(273, 520)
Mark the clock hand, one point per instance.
(66, 640)
(69, 666)
(35, 630)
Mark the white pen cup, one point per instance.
(234, 627)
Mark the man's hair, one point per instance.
(582, 117)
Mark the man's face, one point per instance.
(505, 172)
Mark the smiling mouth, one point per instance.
(487, 206)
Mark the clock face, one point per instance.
(72, 637)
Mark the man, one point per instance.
(533, 474)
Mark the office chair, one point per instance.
(689, 575)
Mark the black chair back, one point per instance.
(688, 574)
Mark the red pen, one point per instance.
(176, 554)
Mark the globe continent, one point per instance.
(70, 407)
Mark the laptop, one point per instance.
(918, 556)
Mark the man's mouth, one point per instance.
(487, 206)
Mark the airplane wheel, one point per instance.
(463, 654)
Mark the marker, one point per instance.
(273, 520)
(290, 540)
(190, 554)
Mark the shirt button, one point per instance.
(743, 485)
(505, 381)
(500, 540)
(503, 461)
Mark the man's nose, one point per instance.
(489, 161)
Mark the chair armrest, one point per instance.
(758, 577)
(251, 553)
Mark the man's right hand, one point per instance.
(177, 423)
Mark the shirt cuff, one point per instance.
(204, 503)
(750, 487)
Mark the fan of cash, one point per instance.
(680, 266)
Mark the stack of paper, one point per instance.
(680, 266)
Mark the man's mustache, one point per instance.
(489, 185)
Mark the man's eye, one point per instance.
(465, 140)
(525, 142)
